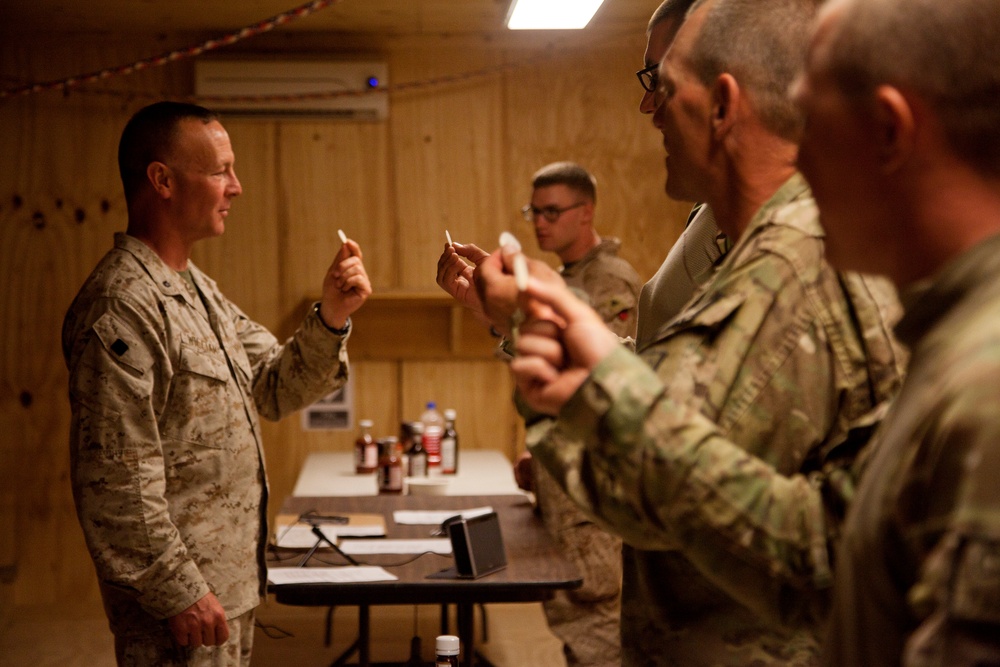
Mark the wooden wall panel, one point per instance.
(333, 176)
(448, 158)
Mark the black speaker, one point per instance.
(477, 545)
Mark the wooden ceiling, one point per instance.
(384, 17)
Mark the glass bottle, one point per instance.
(390, 466)
(365, 449)
(417, 466)
(433, 427)
(449, 444)
(446, 648)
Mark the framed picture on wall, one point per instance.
(333, 412)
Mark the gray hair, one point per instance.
(762, 44)
(943, 50)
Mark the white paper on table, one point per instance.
(300, 536)
(435, 517)
(328, 575)
(356, 547)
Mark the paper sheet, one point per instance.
(435, 517)
(356, 547)
(328, 575)
(289, 533)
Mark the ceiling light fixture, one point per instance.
(551, 14)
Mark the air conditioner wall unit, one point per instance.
(339, 89)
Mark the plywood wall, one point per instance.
(455, 156)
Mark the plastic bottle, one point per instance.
(449, 444)
(446, 647)
(433, 427)
(418, 455)
(365, 449)
(390, 466)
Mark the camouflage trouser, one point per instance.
(157, 648)
(585, 619)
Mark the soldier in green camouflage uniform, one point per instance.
(903, 146)
(720, 454)
(167, 379)
(586, 619)
(561, 209)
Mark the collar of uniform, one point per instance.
(779, 209)
(608, 245)
(927, 301)
(169, 282)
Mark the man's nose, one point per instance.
(647, 104)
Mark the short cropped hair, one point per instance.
(149, 136)
(669, 9)
(569, 174)
(762, 44)
(945, 51)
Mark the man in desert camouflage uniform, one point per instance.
(563, 199)
(167, 378)
(718, 454)
(903, 148)
(562, 205)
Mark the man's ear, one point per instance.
(895, 127)
(160, 178)
(725, 99)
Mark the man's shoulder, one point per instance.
(605, 262)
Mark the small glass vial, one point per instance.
(446, 648)
(390, 466)
(417, 465)
(449, 444)
(365, 449)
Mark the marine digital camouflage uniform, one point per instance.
(610, 283)
(711, 453)
(918, 572)
(167, 463)
(587, 619)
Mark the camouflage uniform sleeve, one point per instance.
(662, 476)
(617, 302)
(288, 377)
(118, 466)
(956, 593)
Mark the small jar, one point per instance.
(365, 449)
(446, 648)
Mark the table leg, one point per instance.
(467, 632)
(364, 631)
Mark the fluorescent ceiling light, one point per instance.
(551, 14)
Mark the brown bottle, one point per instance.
(449, 444)
(390, 466)
(418, 455)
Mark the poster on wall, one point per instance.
(333, 412)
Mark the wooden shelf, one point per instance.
(406, 325)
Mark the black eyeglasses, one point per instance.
(550, 213)
(647, 77)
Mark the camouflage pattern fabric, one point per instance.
(918, 571)
(157, 647)
(166, 458)
(710, 453)
(610, 283)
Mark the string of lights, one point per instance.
(172, 56)
(77, 81)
